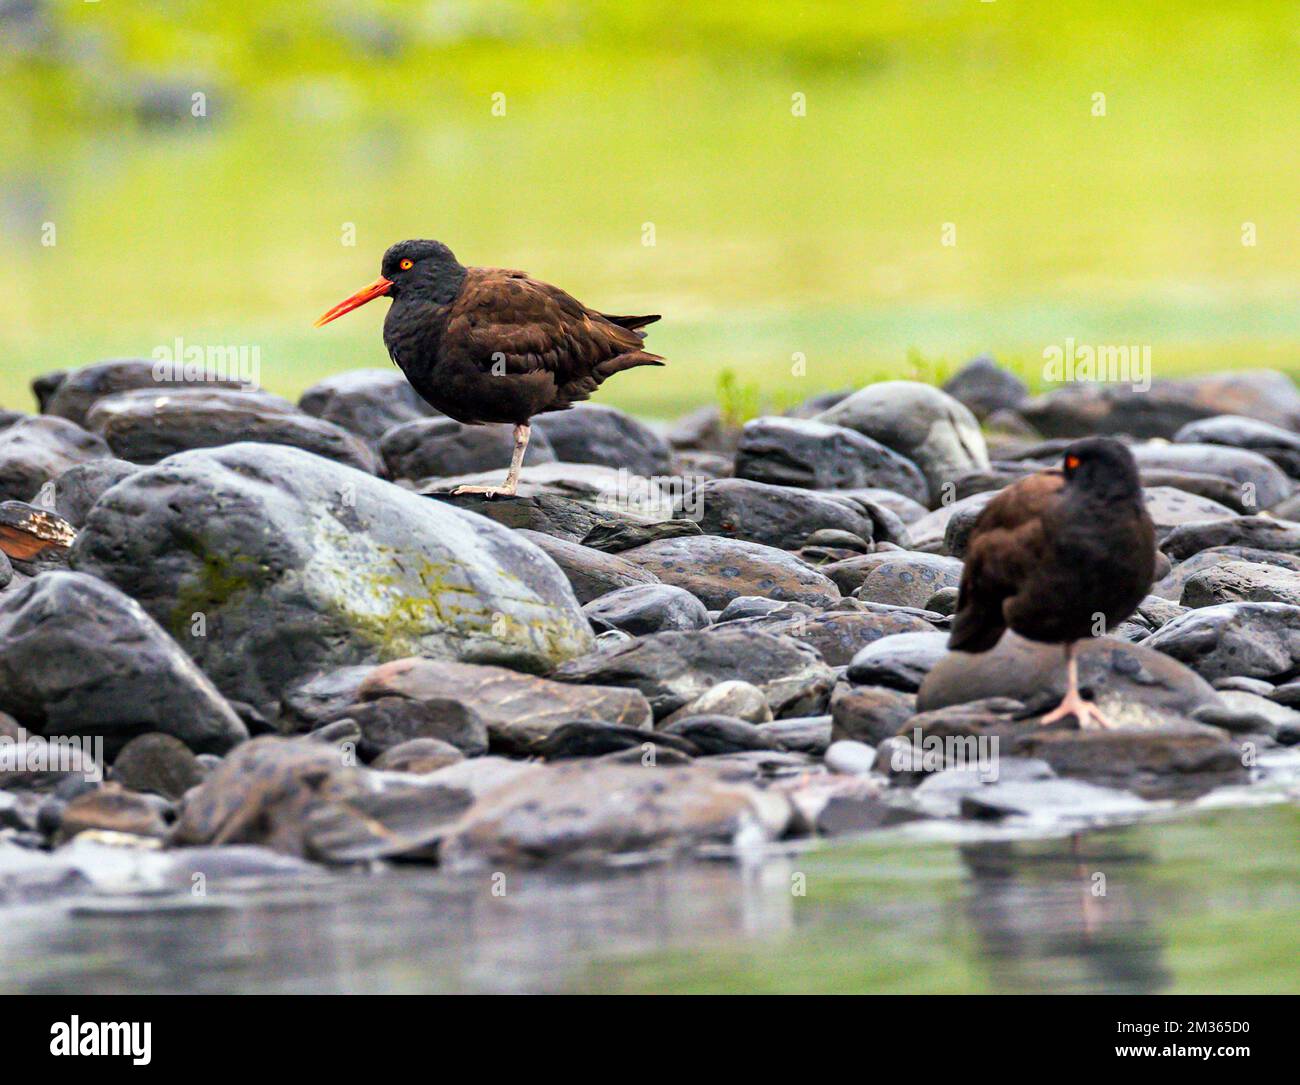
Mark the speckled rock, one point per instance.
(716, 570)
(291, 564)
(837, 635)
(1171, 585)
(1170, 509)
(1241, 581)
(1257, 532)
(909, 580)
(1259, 640)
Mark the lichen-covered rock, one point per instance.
(77, 657)
(268, 563)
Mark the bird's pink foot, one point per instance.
(486, 491)
(1088, 714)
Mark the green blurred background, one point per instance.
(775, 234)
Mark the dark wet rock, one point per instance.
(77, 657)
(590, 738)
(716, 570)
(773, 515)
(984, 387)
(37, 449)
(704, 429)
(1259, 478)
(835, 539)
(1132, 683)
(673, 669)
(148, 425)
(593, 433)
(699, 466)
(648, 608)
(1282, 446)
(615, 536)
(344, 734)
(1256, 532)
(931, 533)
(44, 387)
(263, 792)
(79, 487)
(944, 601)
(6, 570)
(321, 698)
(1257, 640)
(82, 388)
(591, 573)
(899, 662)
(520, 710)
(918, 421)
(1083, 409)
(850, 757)
(721, 734)
(157, 763)
(1241, 581)
(296, 565)
(906, 509)
(587, 812)
(112, 809)
(837, 635)
(1288, 693)
(559, 517)
(996, 476)
(366, 402)
(418, 756)
(869, 714)
(802, 734)
(1171, 509)
(739, 700)
(442, 447)
(909, 580)
(817, 456)
(405, 822)
(386, 722)
(849, 815)
(1171, 585)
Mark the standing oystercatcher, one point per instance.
(485, 344)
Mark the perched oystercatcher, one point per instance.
(1062, 555)
(486, 344)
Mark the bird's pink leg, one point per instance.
(512, 477)
(1087, 713)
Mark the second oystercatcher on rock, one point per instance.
(1062, 555)
(484, 344)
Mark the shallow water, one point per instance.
(1203, 902)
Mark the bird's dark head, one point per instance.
(1101, 466)
(417, 270)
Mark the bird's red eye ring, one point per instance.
(1071, 463)
(407, 264)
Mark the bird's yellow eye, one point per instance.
(1071, 463)
(407, 264)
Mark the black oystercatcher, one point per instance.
(486, 344)
(1062, 555)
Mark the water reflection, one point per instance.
(1194, 905)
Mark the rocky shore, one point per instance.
(255, 635)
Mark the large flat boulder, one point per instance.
(36, 449)
(268, 564)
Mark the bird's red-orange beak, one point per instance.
(376, 289)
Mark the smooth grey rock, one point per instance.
(82, 388)
(297, 565)
(899, 662)
(418, 756)
(1241, 581)
(869, 714)
(592, 738)
(615, 536)
(918, 421)
(367, 402)
(1282, 446)
(1170, 586)
(672, 669)
(850, 757)
(736, 699)
(1262, 482)
(442, 447)
(818, 456)
(79, 487)
(77, 657)
(773, 515)
(1256, 532)
(936, 532)
(721, 734)
(648, 608)
(802, 734)
(591, 573)
(985, 387)
(147, 425)
(39, 448)
(595, 433)
(716, 570)
(1255, 640)
(1170, 509)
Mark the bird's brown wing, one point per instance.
(1005, 546)
(505, 319)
